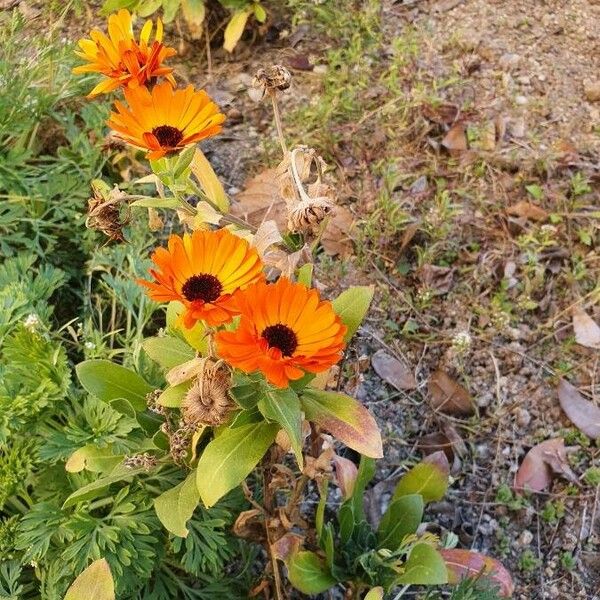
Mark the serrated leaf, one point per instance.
(402, 518)
(94, 583)
(429, 479)
(176, 506)
(425, 566)
(108, 381)
(352, 306)
(283, 407)
(230, 457)
(308, 573)
(235, 29)
(345, 418)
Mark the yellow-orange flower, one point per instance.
(285, 329)
(202, 271)
(165, 120)
(120, 58)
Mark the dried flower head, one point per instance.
(146, 461)
(207, 402)
(272, 78)
(104, 211)
(152, 404)
(308, 214)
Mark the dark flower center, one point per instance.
(167, 136)
(203, 287)
(282, 337)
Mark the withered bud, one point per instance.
(146, 461)
(273, 78)
(179, 442)
(307, 215)
(104, 210)
(207, 402)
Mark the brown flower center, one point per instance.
(167, 136)
(203, 287)
(282, 337)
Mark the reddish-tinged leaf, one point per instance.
(345, 418)
(541, 463)
(527, 210)
(442, 114)
(587, 332)
(286, 546)
(584, 414)
(345, 473)
(393, 371)
(462, 564)
(449, 396)
(300, 62)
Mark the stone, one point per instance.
(591, 89)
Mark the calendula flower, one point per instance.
(202, 271)
(165, 120)
(285, 329)
(121, 58)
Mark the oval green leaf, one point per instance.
(429, 479)
(425, 566)
(402, 518)
(308, 573)
(352, 305)
(176, 506)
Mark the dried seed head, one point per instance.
(207, 402)
(178, 444)
(104, 211)
(145, 460)
(273, 78)
(307, 215)
(152, 404)
(113, 143)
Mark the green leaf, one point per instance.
(92, 458)
(304, 274)
(107, 381)
(235, 29)
(346, 522)
(283, 407)
(345, 418)
(156, 203)
(173, 396)
(94, 583)
(375, 593)
(92, 490)
(170, 8)
(168, 351)
(428, 479)
(111, 6)
(352, 306)
(366, 472)
(209, 182)
(123, 406)
(230, 457)
(176, 506)
(196, 337)
(246, 390)
(147, 7)
(183, 161)
(424, 566)
(402, 518)
(260, 13)
(308, 573)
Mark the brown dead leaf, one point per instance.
(528, 211)
(455, 141)
(286, 546)
(447, 440)
(300, 62)
(345, 473)
(541, 463)
(266, 235)
(336, 239)
(409, 234)
(448, 396)
(437, 279)
(582, 413)
(250, 525)
(393, 371)
(261, 201)
(442, 114)
(587, 332)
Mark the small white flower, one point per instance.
(89, 345)
(462, 340)
(31, 322)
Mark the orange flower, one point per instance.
(120, 58)
(285, 330)
(202, 271)
(165, 120)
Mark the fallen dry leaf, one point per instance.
(300, 62)
(336, 238)
(587, 332)
(448, 441)
(345, 473)
(528, 211)
(455, 141)
(266, 236)
(448, 396)
(436, 278)
(393, 371)
(541, 463)
(583, 414)
(442, 114)
(261, 201)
